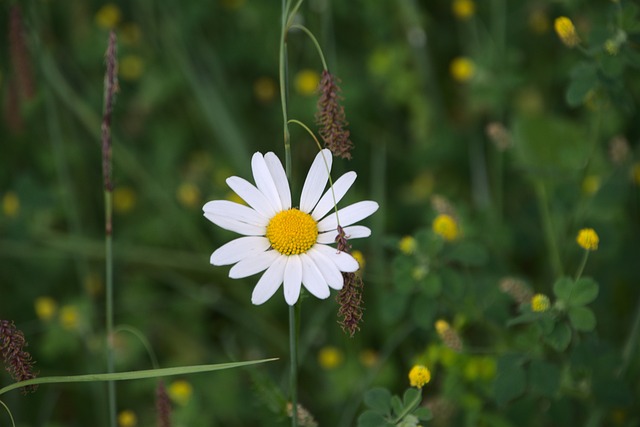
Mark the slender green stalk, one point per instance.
(632, 343)
(13, 423)
(111, 386)
(145, 342)
(549, 232)
(315, 42)
(293, 371)
(582, 264)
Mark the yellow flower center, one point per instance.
(292, 232)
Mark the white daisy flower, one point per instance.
(291, 244)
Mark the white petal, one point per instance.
(292, 279)
(253, 264)
(236, 226)
(349, 215)
(264, 181)
(331, 198)
(269, 282)
(316, 181)
(353, 232)
(250, 194)
(232, 210)
(279, 178)
(344, 261)
(327, 268)
(312, 278)
(239, 249)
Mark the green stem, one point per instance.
(315, 42)
(293, 371)
(111, 386)
(582, 264)
(631, 344)
(409, 407)
(13, 423)
(549, 232)
(145, 342)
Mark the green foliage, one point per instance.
(385, 410)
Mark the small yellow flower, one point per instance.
(124, 199)
(306, 82)
(442, 326)
(463, 9)
(635, 173)
(188, 195)
(127, 418)
(407, 245)
(588, 239)
(10, 204)
(180, 391)
(462, 69)
(540, 303)
(265, 89)
(566, 31)
(330, 357)
(108, 16)
(446, 227)
(591, 184)
(359, 256)
(46, 308)
(419, 376)
(69, 317)
(131, 67)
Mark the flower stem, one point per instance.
(13, 423)
(315, 42)
(549, 232)
(283, 75)
(582, 264)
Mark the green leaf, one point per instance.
(132, 375)
(560, 337)
(372, 419)
(432, 285)
(511, 379)
(562, 288)
(423, 413)
(585, 290)
(582, 318)
(544, 378)
(411, 399)
(379, 400)
(397, 405)
(409, 421)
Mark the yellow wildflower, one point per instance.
(265, 89)
(462, 69)
(10, 204)
(591, 184)
(306, 82)
(359, 256)
(566, 31)
(124, 199)
(108, 16)
(127, 418)
(407, 245)
(69, 317)
(368, 357)
(540, 303)
(46, 308)
(442, 326)
(188, 195)
(463, 9)
(180, 391)
(131, 67)
(588, 239)
(419, 376)
(330, 357)
(446, 227)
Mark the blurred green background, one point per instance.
(477, 106)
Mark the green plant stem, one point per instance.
(111, 385)
(13, 423)
(315, 42)
(410, 407)
(145, 342)
(632, 343)
(549, 232)
(293, 373)
(582, 264)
